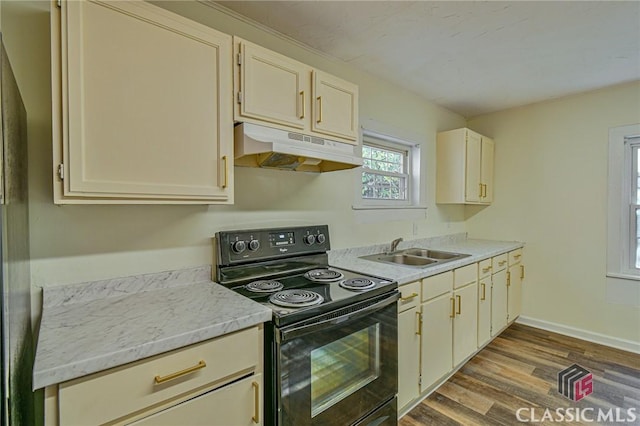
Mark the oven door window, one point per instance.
(343, 367)
(339, 373)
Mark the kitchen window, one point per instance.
(623, 258)
(390, 172)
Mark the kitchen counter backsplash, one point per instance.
(459, 243)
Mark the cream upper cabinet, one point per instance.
(277, 91)
(142, 106)
(271, 87)
(335, 107)
(464, 167)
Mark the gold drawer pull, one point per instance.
(226, 171)
(487, 269)
(319, 120)
(411, 296)
(459, 311)
(160, 380)
(256, 406)
(517, 256)
(502, 262)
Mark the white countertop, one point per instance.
(90, 327)
(458, 243)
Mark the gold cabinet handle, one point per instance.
(484, 190)
(303, 107)
(419, 317)
(159, 379)
(256, 406)
(226, 171)
(480, 194)
(502, 262)
(459, 311)
(484, 289)
(508, 279)
(319, 98)
(517, 256)
(521, 272)
(453, 308)
(487, 269)
(411, 296)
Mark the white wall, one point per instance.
(551, 192)
(77, 243)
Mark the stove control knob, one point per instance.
(238, 247)
(309, 239)
(254, 245)
(320, 239)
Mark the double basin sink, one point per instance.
(416, 257)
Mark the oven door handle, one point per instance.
(294, 332)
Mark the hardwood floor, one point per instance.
(518, 372)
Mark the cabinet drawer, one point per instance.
(515, 256)
(117, 392)
(436, 285)
(499, 262)
(484, 268)
(465, 275)
(409, 296)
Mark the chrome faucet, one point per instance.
(394, 245)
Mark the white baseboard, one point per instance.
(614, 342)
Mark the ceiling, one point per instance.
(470, 57)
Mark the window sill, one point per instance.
(406, 207)
(622, 276)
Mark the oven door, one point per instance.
(338, 368)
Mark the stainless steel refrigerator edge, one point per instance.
(15, 280)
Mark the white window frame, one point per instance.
(622, 240)
(413, 171)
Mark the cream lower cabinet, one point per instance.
(277, 91)
(142, 106)
(484, 302)
(515, 276)
(449, 322)
(217, 382)
(408, 343)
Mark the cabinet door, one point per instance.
(145, 104)
(514, 291)
(473, 190)
(484, 310)
(408, 356)
(335, 106)
(273, 88)
(437, 334)
(237, 404)
(465, 324)
(486, 170)
(499, 302)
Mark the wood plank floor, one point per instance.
(519, 369)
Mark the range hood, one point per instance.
(261, 146)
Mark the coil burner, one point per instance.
(296, 298)
(357, 284)
(323, 275)
(264, 286)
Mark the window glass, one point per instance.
(384, 175)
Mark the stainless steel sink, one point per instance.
(416, 257)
